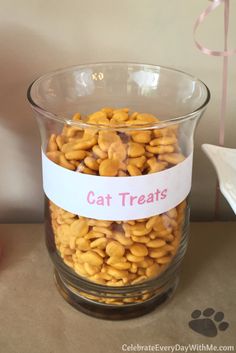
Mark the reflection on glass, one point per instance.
(145, 79)
(84, 82)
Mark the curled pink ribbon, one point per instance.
(225, 54)
(202, 17)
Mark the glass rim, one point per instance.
(82, 124)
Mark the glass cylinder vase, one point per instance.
(117, 149)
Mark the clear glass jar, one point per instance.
(117, 181)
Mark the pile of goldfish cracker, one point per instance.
(117, 253)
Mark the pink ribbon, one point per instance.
(225, 54)
(202, 17)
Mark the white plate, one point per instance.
(224, 161)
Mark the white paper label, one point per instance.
(116, 198)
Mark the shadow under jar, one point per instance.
(117, 147)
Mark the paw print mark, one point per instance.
(206, 324)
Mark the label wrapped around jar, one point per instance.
(116, 198)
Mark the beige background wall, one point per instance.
(40, 35)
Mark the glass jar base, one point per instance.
(113, 311)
